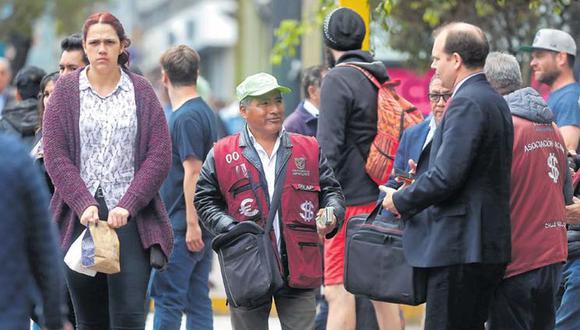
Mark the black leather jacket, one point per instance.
(211, 205)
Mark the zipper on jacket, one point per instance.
(302, 227)
(309, 244)
(241, 189)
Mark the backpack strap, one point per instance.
(373, 79)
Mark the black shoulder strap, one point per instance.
(276, 197)
(275, 202)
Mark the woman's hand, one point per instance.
(118, 217)
(90, 214)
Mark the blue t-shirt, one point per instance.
(193, 133)
(564, 104)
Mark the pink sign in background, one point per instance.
(414, 87)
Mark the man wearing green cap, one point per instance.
(263, 166)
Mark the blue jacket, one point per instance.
(410, 147)
(301, 121)
(28, 242)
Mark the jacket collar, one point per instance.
(477, 76)
(245, 139)
(306, 116)
(251, 155)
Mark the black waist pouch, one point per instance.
(246, 264)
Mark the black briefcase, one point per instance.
(247, 265)
(375, 265)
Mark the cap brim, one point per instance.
(527, 49)
(281, 89)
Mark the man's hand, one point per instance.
(413, 167)
(193, 237)
(412, 171)
(388, 203)
(324, 229)
(90, 214)
(573, 212)
(118, 217)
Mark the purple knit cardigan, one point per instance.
(152, 163)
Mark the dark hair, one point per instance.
(468, 41)
(74, 42)
(181, 64)
(110, 19)
(571, 60)
(43, 83)
(27, 81)
(312, 77)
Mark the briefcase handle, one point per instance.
(378, 211)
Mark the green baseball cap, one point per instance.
(259, 84)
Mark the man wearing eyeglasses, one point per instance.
(416, 140)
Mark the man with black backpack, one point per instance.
(347, 127)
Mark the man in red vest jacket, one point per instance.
(238, 182)
(540, 189)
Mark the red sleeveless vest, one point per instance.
(246, 200)
(538, 217)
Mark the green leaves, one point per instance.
(289, 33)
(410, 23)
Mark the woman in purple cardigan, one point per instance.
(108, 150)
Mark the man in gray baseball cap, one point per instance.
(553, 55)
(554, 40)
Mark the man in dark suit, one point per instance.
(464, 245)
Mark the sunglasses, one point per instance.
(435, 97)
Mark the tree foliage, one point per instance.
(17, 18)
(410, 23)
(508, 24)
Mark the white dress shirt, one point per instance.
(431, 133)
(269, 167)
(311, 108)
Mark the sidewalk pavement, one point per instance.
(222, 322)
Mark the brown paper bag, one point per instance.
(100, 248)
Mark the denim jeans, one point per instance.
(568, 314)
(183, 288)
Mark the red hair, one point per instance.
(110, 19)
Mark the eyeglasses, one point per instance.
(435, 97)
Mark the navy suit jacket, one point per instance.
(410, 147)
(466, 186)
(301, 121)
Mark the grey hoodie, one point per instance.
(527, 103)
